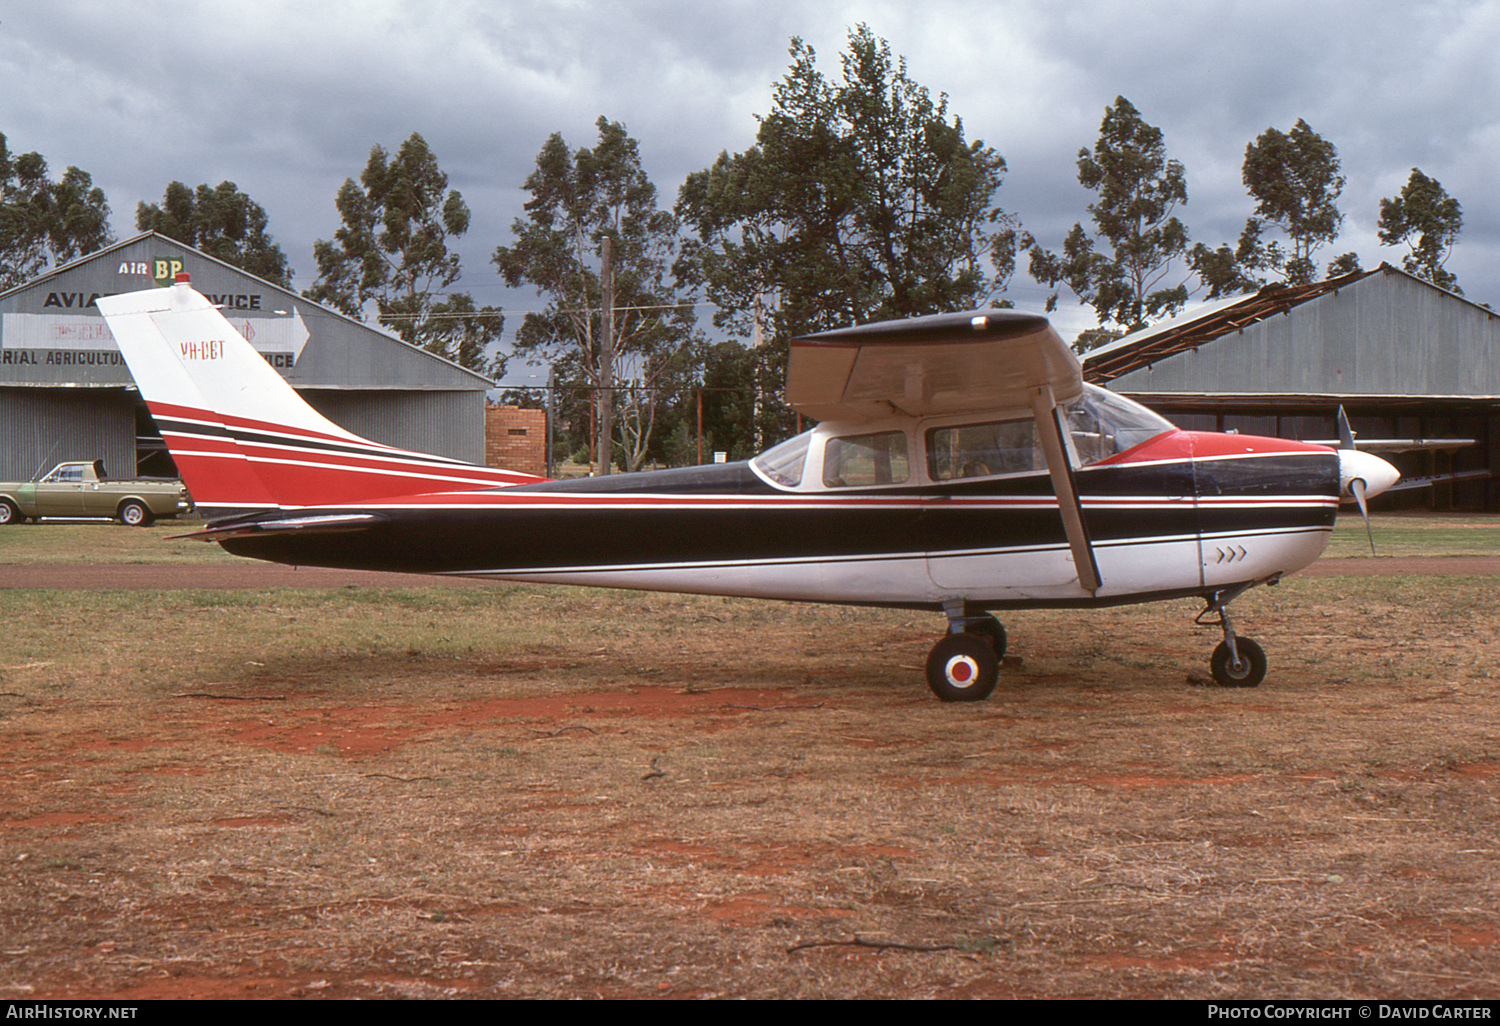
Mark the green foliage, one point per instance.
(222, 222)
(1295, 180)
(1428, 220)
(1220, 272)
(1138, 190)
(578, 200)
(392, 250)
(861, 200)
(735, 384)
(45, 224)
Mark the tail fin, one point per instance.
(241, 437)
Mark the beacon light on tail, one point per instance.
(961, 465)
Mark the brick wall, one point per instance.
(516, 439)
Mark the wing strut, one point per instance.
(1049, 429)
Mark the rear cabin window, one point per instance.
(863, 461)
(983, 450)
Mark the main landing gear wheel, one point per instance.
(991, 629)
(1248, 672)
(963, 667)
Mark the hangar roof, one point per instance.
(1380, 333)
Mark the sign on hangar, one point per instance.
(65, 389)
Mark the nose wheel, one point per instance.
(1243, 666)
(1237, 662)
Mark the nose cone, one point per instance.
(1376, 473)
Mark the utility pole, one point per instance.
(606, 396)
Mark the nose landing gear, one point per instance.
(1237, 662)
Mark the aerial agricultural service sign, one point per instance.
(56, 329)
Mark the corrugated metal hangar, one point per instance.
(66, 394)
(1404, 358)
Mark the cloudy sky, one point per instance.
(286, 99)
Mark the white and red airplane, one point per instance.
(960, 464)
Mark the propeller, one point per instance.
(1361, 474)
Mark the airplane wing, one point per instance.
(924, 366)
(983, 360)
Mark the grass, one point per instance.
(537, 792)
(73, 542)
(542, 792)
(1416, 534)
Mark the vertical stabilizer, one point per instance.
(240, 435)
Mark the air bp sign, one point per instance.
(164, 270)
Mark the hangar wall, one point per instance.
(1386, 334)
(40, 427)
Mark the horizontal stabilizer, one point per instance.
(1400, 444)
(341, 523)
(1408, 483)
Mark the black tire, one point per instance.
(133, 513)
(962, 668)
(992, 630)
(1248, 674)
(9, 514)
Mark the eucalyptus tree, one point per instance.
(1295, 181)
(862, 199)
(222, 222)
(1125, 268)
(46, 223)
(392, 251)
(600, 252)
(1428, 221)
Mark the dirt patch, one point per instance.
(338, 795)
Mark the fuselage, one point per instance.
(1179, 513)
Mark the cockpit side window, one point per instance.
(983, 450)
(863, 461)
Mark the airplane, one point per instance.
(960, 465)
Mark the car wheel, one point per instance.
(134, 514)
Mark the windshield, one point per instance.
(782, 464)
(1103, 424)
